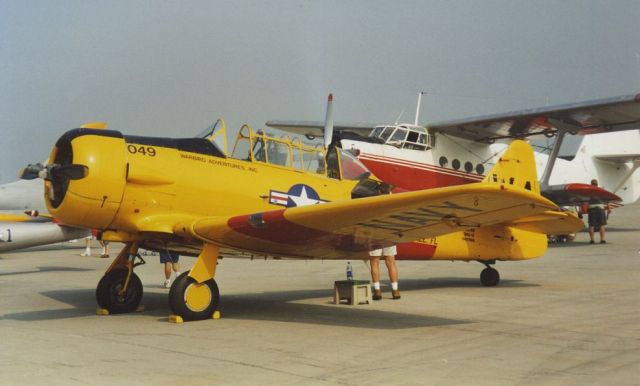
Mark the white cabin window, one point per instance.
(405, 137)
(386, 133)
(376, 132)
(398, 137)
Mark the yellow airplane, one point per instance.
(275, 197)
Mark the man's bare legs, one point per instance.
(168, 267)
(390, 262)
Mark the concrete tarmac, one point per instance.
(569, 318)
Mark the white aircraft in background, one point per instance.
(412, 157)
(21, 230)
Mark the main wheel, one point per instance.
(193, 300)
(489, 277)
(108, 292)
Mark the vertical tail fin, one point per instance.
(516, 167)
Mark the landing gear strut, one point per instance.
(120, 290)
(489, 277)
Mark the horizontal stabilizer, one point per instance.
(551, 223)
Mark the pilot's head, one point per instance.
(594, 182)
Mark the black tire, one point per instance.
(489, 277)
(205, 304)
(109, 286)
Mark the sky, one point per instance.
(171, 68)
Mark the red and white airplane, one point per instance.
(411, 156)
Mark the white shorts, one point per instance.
(388, 251)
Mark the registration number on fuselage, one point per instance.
(144, 150)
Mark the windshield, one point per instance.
(216, 134)
(206, 133)
(398, 137)
(376, 132)
(352, 168)
(386, 133)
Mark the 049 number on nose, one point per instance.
(144, 150)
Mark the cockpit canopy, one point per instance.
(405, 136)
(289, 153)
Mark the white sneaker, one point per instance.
(85, 254)
(167, 283)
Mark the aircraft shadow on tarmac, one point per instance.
(82, 301)
(615, 229)
(282, 306)
(457, 282)
(581, 243)
(571, 244)
(52, 247)
(46, 269)
(268, 306)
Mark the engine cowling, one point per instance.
(90, 199)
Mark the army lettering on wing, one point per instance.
(419, 217)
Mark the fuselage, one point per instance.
(141, 189)
(22, 195)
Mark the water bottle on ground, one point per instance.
(349, 271)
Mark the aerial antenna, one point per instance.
(399, 116)
(418, 107)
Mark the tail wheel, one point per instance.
(192, 300)
(489, 277)
(109, 292)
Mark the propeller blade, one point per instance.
(72, 172)
(328, 123)
(31, 172)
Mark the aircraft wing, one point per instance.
(576, 193)
(619, 158)
(596, 116)
(24, 216)
(315, 129)
(337, 229)
(15, 217)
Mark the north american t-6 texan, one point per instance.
(277, 197)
